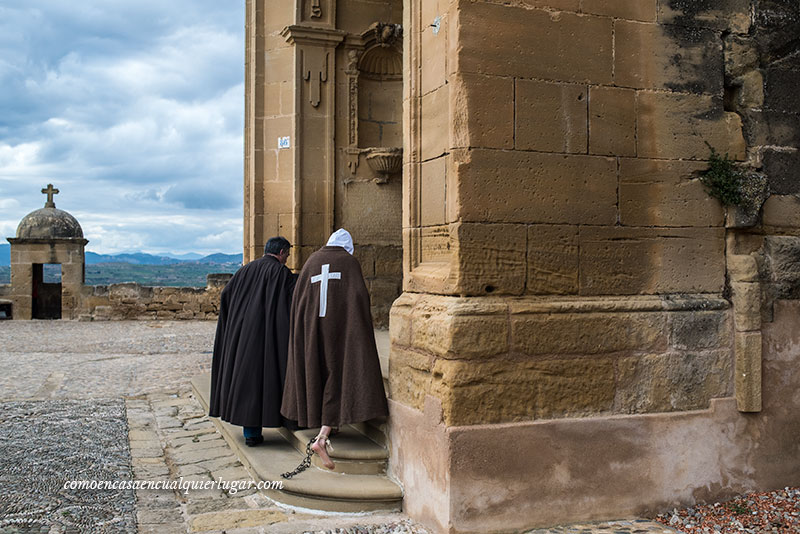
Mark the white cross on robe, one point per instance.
(323, 288)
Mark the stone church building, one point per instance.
(579, 330)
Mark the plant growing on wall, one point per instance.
(723, 179)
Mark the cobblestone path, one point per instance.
(46, 443)
(112, 401)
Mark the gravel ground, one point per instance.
(776, 512)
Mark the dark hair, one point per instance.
(276, 245)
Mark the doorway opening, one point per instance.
(46, 291)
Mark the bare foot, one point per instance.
(319, 447)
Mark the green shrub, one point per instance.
(723, 180)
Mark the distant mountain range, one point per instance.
(141, 258)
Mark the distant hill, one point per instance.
(189, 257)
(221, 258)
(136, 258)
(141, 258)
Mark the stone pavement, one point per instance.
(112, 401)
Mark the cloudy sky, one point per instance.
(133, 109)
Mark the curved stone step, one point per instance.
(315, 488)
(374, 430)
(353, 453)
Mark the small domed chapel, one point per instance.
(47, 237)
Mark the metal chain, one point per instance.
(305, 464)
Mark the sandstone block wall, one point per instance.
(131, 301)
(552, 154)
(493, 360)
(580, 152)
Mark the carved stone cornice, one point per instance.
(47, 241)
(308, 35)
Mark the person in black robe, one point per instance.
(333, 375)
(250, 349)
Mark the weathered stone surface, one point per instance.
(746, 306)
(642, 10)
(483, 111)
(742, 268)
(741, 55)
(524, 187)
(231, 519)
(508, 390)
(776, 128)
(433, 192)
(783, 171)
(553, 260)
(777, 27)
(439, 331)
(780, 92)
(665, 193)
(717, 14)
(700, 330)
(672, 381)
(491, 258)
(653, 56)
(550, 117)
(587, 333)
(433, 55)
(782, 267)
(485, 32)
(389, 261)
(566, 5)
(678, 126)
(626, 261)
(749, 92)
(748, 371)
(782, 211)
(408, 384)
(435, 139)
(755, 191)
(612, 121)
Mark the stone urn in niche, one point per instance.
(385, 161)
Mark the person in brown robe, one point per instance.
(251, 345)
(333, 375)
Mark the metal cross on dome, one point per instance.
(323, 278)
(50, 191)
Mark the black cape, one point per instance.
(333, 375)
(250, 348)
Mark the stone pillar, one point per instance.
(21, 287)
(314, 45)
(561, 258)
(289, 124)
(73, 275)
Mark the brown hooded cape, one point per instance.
(251, 345)
(333, 376)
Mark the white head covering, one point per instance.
(341, 238)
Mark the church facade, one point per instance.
(579, 329)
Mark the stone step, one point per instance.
(374, 430)
(315, 488)
(353, 453)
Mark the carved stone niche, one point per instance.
(375, 106)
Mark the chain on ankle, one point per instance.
(305, 464)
